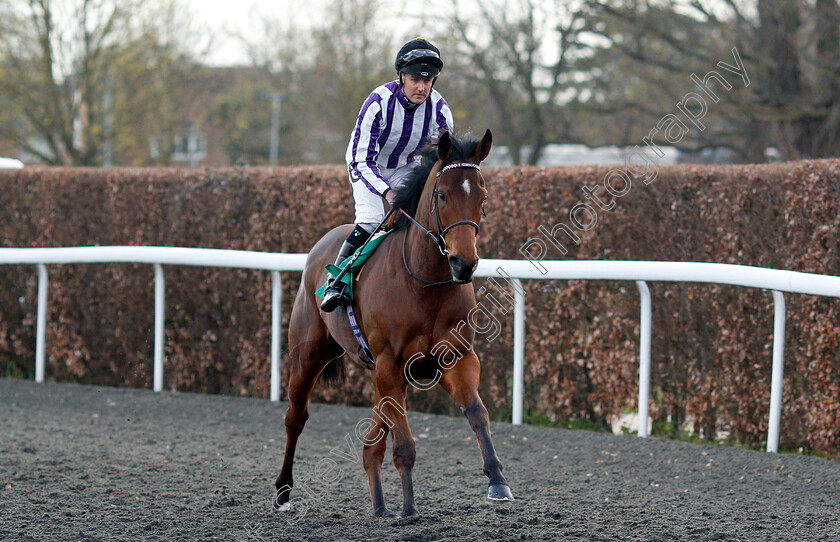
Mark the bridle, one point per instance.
(439, 237)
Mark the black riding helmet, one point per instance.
(418, 57)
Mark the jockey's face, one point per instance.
(417, 88)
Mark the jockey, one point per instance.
(396, 121)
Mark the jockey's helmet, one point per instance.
(419, 57)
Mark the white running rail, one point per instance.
(777, 281)
(158, 257)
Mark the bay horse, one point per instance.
(409, 300)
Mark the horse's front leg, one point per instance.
(389, 413)
(393, 406)
(372, 456)
(375, 442)
(461, 382)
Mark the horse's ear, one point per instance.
(444, 146)
(483, 147)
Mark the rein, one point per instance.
(440, 237)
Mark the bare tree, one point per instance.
(75, 69)
(522, 51)
(324, 73)
(789, 49)
(353, 54)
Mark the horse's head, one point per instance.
(457, 204)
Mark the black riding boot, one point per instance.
(335, 295)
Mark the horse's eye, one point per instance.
(442, 196)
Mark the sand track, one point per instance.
(93, 463)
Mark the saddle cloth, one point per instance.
(350, 276)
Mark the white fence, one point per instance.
(778, 281)
(157, 256)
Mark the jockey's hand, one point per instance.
(390, 195)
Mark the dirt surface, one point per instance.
(93, 463)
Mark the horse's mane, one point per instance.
(407, 195)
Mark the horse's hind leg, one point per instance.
(303, 373)
(461, 382)
(306, 361)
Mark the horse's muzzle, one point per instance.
(462, 272)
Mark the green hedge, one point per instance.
(711, 344)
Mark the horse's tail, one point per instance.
(334, 371)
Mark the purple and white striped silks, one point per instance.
(389, 132)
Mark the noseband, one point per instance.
(439, 237)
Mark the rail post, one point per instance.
(777, 380)
(41, 324)
(644, 357)
(518, 350)
(276, 320)
(160, 318)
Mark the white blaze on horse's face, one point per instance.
(461, 198)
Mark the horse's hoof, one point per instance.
(499, 493)
(281, 499)
(411, 513)
(385, 513)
